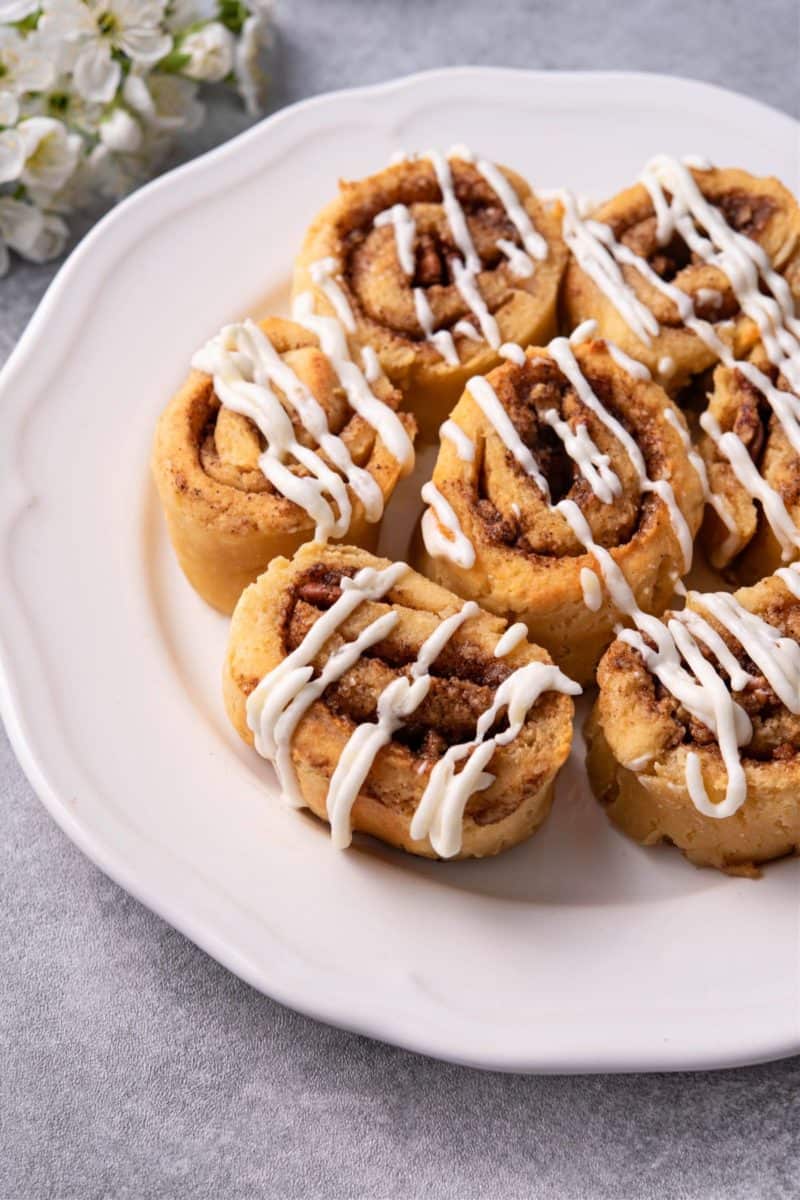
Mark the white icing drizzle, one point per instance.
(534, 243)
(762, 294)
(745, 470)
(371, 364)
(592, 591)
(441, 339)
(485, 397)
(405, 232)
(438, 517)
(594, 466)
(399, 700)
(581, 333)
(467, 329)
(709, 296)
(322, 273)
(666, 367)
(697, 461)
(516, 510)
(467, 286)
(280, 700)
(464, 445)
(632, 365)
(791, 577)
(360, 397)
(561, 352)
(466, 269)
(589, 241)
(519, 262)
(638, 764)
(701, 690)
(245, 366)
(511, 639)
(513, 352)
(440, 813)
(454, 212)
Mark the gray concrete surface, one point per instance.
(132, 1066)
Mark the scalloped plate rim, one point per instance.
(114, 232)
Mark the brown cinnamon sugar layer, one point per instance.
(750, 550)
(225, 520)
(529, 563)
(276, 614)
(758, 208)
(381, 296)
(639, 736)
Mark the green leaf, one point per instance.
(174, 62)
(233, 14)
(29, 23)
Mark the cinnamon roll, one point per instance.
(687, 267)
(751, 449)
(390, 706)
(276, 438)
(695, 734)
(433, 264)
(563, 496)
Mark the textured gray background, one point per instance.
(133, 1066)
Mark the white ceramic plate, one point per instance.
(579, 951)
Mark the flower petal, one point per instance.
(49, 242)
(17, 10)
(144, 45)
(20, 223)
(96, 75)
(9, 109)
(12, 155)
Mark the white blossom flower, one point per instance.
(133, 27)
(164, 101)
(210, 49)
(51, 153)
(121, 132)
(17, 10)
(9, 108)
(183, 13)
(115, 175)
(23, 68)
(49, 240)
(20, 228)
(92, 95)
(12, 155)
(250, 77)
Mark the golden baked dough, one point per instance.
(762, 209)
(745, 544)
(273, 619)
(529, 565)
(639, 737)
(225, 519)
(383, 300)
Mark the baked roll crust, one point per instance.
(542, 463)
(647, 274)
(391, 707)
(433, 264)
(754, 526)
(666, 770)
(285, 455)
